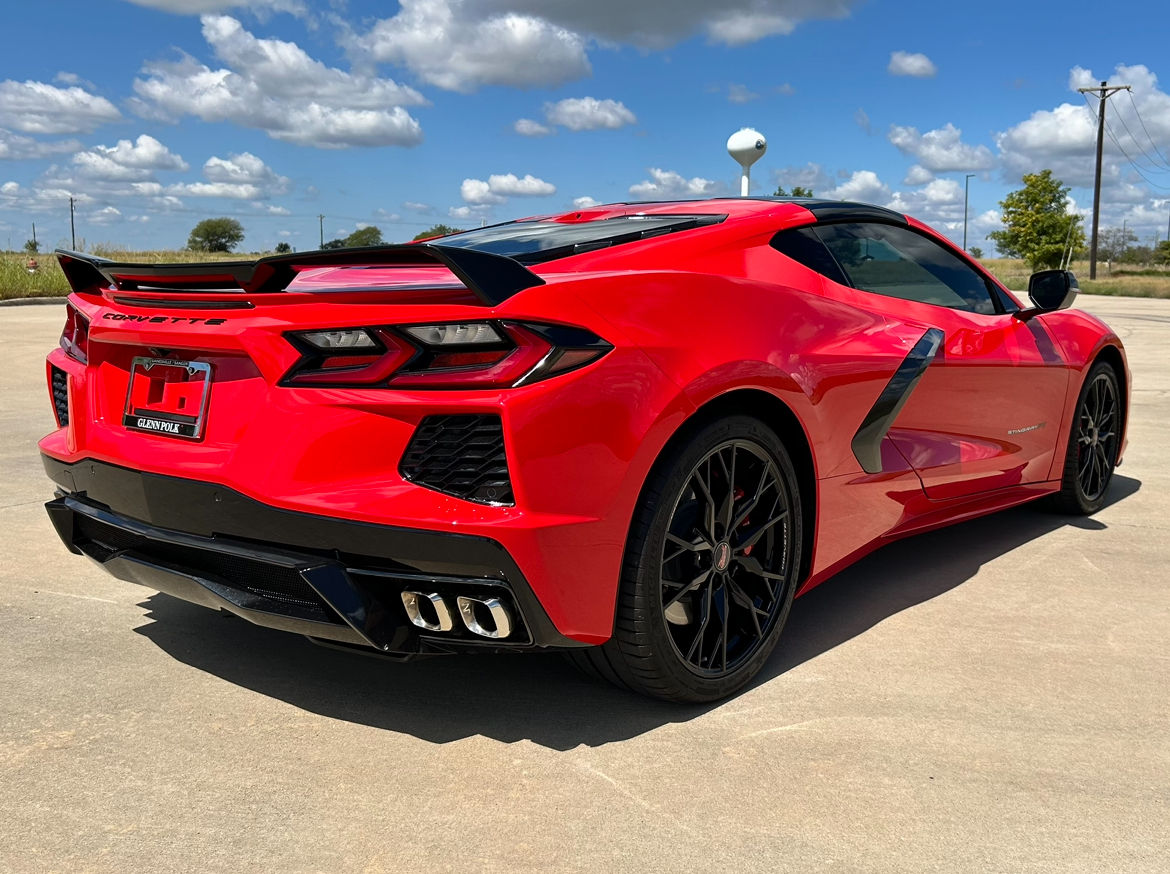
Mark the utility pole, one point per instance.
(966, 195)
(72, 228)
(321, 221)
(34, 224)
(1104, 93)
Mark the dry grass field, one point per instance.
(49, 281)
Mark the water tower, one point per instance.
(746, 146)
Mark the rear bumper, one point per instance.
(327, 578)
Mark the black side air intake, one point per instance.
(462, 456)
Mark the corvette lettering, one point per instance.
(158, 320)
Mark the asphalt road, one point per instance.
(992, 697)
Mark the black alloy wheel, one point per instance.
(711, 566)
(1093, 444)
(1097, 423)
(724, 568)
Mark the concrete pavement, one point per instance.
(991, 697)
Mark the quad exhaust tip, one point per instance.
(429, 612)
(485, 617)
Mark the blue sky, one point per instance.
(154, 114)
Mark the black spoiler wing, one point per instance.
(492, 278)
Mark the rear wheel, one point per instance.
(1092, 445)
(710, 568)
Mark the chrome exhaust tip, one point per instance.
(487, 617)
(420, 608)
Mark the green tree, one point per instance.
(283, 248)
(1037, 224)
(797, 191)
(976, 253)
(334, 244)
(1162, 252)
(438, 231)
(367, 236)
(216, 235)
(32, 247)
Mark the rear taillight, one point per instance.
(461, 355)
(75, 335)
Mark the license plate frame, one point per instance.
(153, 409)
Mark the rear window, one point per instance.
(538, 241)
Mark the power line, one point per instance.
(1155, 168)
(1120, 148)
(1143, 124)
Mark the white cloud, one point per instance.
(584, 203)
(942, 150)
(498, 188)
(197, 7)
(863, 186)
(811, 175)
(740, 94)
(107, 216)
(861, 119)
(461, 45)
(1064, 139)
(239, 177)
(512, 186)
(420, 208)
(447, 44)
(918, 175)
(128, 161)
(529, 128)
(276, 87)
(916, 65)
(469, 212)
(669, 185)
(589, 113)
(14, 147)
(479, 193)
(39, 108)
(941, 199)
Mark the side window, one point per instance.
(896, 262)
(805, 247)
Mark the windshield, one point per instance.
(537, 241)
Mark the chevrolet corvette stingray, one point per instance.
(632, 433)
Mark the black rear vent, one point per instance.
(271, 581)
(60, 396)
(461, 456)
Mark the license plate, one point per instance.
(168, 397)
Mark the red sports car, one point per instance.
(633, 433)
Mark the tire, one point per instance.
(698, 613)
(1093, 440)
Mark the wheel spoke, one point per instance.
(690, 546)
(766, 479)
(687, 588)
(759, 530)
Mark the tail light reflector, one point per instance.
(75, 334)
(459, 355)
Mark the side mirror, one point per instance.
(1052, 290)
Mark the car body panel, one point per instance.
(693, 318)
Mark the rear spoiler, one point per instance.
(492, 278)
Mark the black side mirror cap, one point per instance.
(1050, 290)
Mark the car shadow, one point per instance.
(540, 697)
